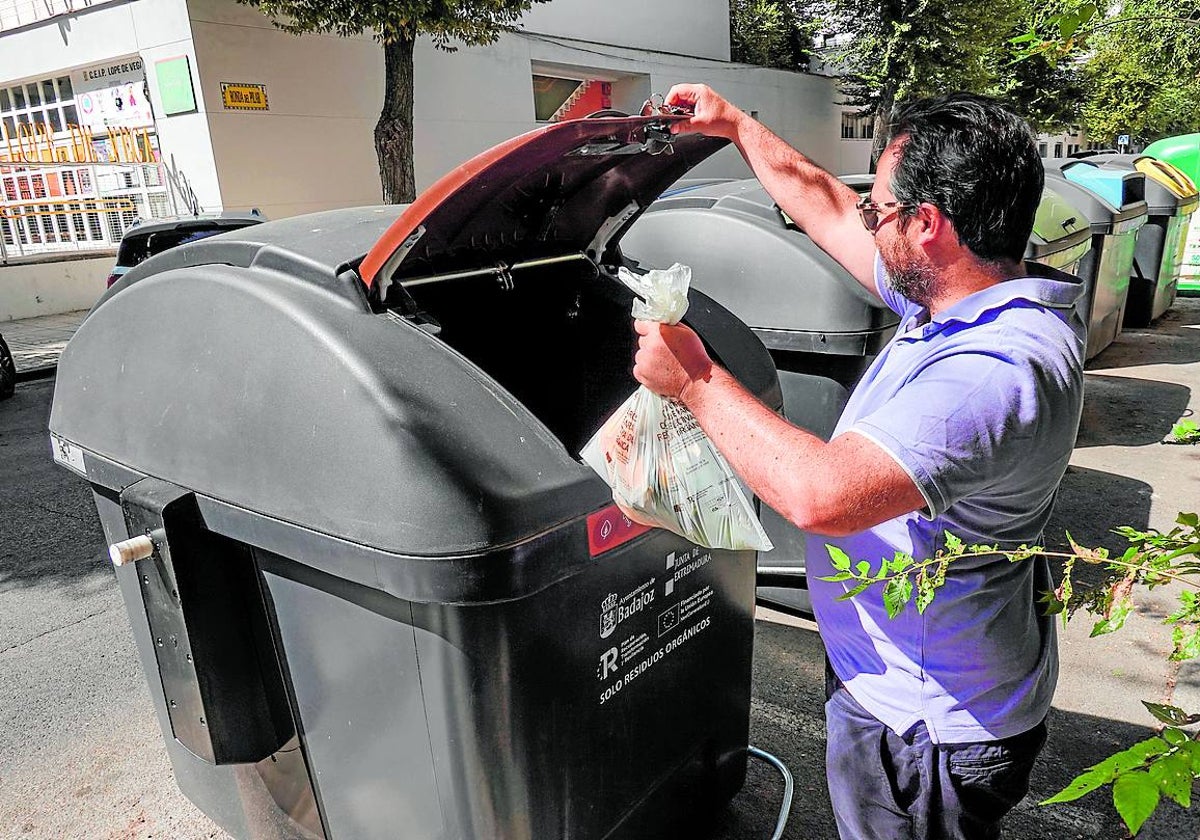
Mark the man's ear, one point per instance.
(929, 225)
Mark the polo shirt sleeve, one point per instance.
(962, 423)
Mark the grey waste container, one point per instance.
(1114, 205)
(1160, 243)
(379, 595)
(1061, 235)
(861, 182)
(821, 327)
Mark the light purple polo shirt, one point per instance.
(980, 406)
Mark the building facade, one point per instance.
(112, 110)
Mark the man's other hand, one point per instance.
(711, 113)
(670, 359)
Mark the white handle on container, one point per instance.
(131, 550)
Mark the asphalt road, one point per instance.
(81, 754)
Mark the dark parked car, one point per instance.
(8, 371)
(1087, 153)
(153, 236)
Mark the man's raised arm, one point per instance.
(819, 203)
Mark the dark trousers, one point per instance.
(888, 787)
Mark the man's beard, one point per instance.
(908, 274)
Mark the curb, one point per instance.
(33, 374)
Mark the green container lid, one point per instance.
(1061, 234)
(1182, 151)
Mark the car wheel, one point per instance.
(8, 372)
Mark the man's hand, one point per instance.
(711, 114)
(821, 206)
(670, 359)
(834, 488)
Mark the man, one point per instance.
(965, 423)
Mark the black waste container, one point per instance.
(821, 327)
(374, 590)
(1114, 205)
(1158, 256)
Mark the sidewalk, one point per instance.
(36, 343)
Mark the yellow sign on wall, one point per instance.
(236, 96)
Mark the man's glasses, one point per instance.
(872, 214)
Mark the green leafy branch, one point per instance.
(1058, 35)
(1152, 559)
(1165, 765)
(1186, 431)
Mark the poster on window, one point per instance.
(112, 95)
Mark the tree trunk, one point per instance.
(892, 15)
(394, 131)
(883, 124)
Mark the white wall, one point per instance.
(71, 41)
(470, 100)
(183, 138)
(685, 27)
(854, 156)
(49, 288)
(314, 148)
(799, 108)
(152, 29)
(1066, 139)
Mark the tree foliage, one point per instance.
(892, 50)
(1139, 61)
(1143, 71)
(771, 33)
(396, 24)
(1049, 94)
(470, 22)
(1065, 28)
(919, 47)
(1130, 68)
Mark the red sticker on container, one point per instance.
(610, 528)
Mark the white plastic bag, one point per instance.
(661, 465)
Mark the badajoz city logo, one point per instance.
(608, 616)
(614, 610)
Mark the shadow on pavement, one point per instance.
(1172, 340)
(49, 530)
(1078, 741)
(1092, 502)
(787, 719)
(1122, 411)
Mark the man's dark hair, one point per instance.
(975, 161)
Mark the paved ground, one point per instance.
(36, 343)
(81, 755)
